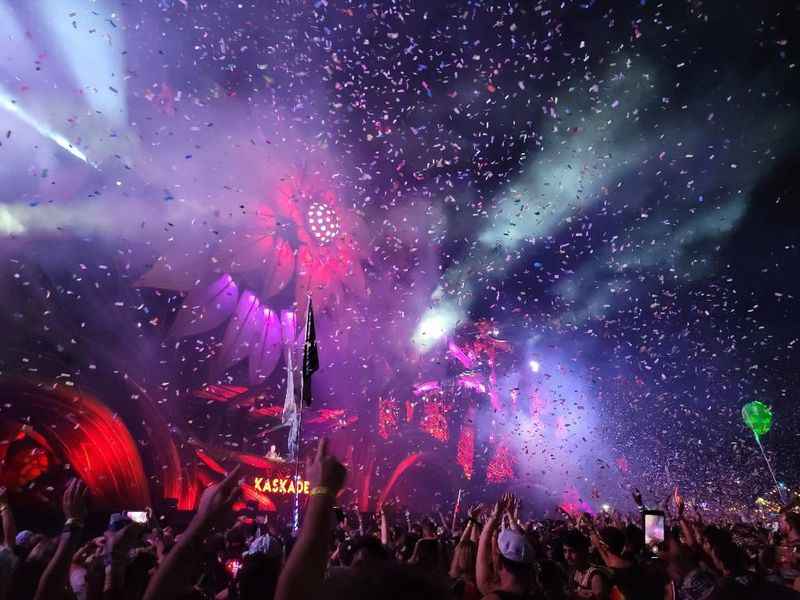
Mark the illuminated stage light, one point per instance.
(9, 104)
(435, 324)
(323, 222)
(534, 365)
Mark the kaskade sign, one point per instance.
(281, 485)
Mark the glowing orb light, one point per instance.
(323, 222)
(435, 324)
(535, 366)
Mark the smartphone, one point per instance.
(137, 516)
(655, 527)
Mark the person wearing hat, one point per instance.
(514, 579)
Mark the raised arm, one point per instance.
(55, 577)
(484, 568)
(171, 579)
(472, 522)
(385, 538)
(360, 520)
(301, 578)
(7, 517)
(686, 528)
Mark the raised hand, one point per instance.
(637, 497)
(475, 511)
(500, 507)
(74, 501)
(680, 505)
(119, 543)
(325, 470)
(216, 499)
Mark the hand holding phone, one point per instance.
(138, 516)
(655, 528)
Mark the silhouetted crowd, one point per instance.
(488, 552)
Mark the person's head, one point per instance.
(387, 581)
(137, 572)
(614, 540)
(464, 558)
(426, 554)
(576, 549)
(634, 540)
(790, 523)
(235, 539)
(366, 551)
(404, 549)
(258, 576)
(428, 528)
(728, 558)
(214, 544)
(516, 559)
(681, 561)
(26, 540)
(550, 578)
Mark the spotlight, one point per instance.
(435, 324)
(534, 365)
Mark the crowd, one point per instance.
(486, 553)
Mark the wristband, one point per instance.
(321, 490)
(3, 508)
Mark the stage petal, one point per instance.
(249, 252)
(279, 271)
(288, 327)
(242, 333)
(267, 349)
(181, 274)
(206, 308)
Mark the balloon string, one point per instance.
(769, 466)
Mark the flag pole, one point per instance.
(297, 485)
(309, 366)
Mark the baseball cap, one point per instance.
(24, 537)
(514, 547)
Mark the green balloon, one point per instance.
(757, 416)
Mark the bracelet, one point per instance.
(320, 490)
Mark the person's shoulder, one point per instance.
(599, 571)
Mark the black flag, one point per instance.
(310, 356)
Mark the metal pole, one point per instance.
(297, 486)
